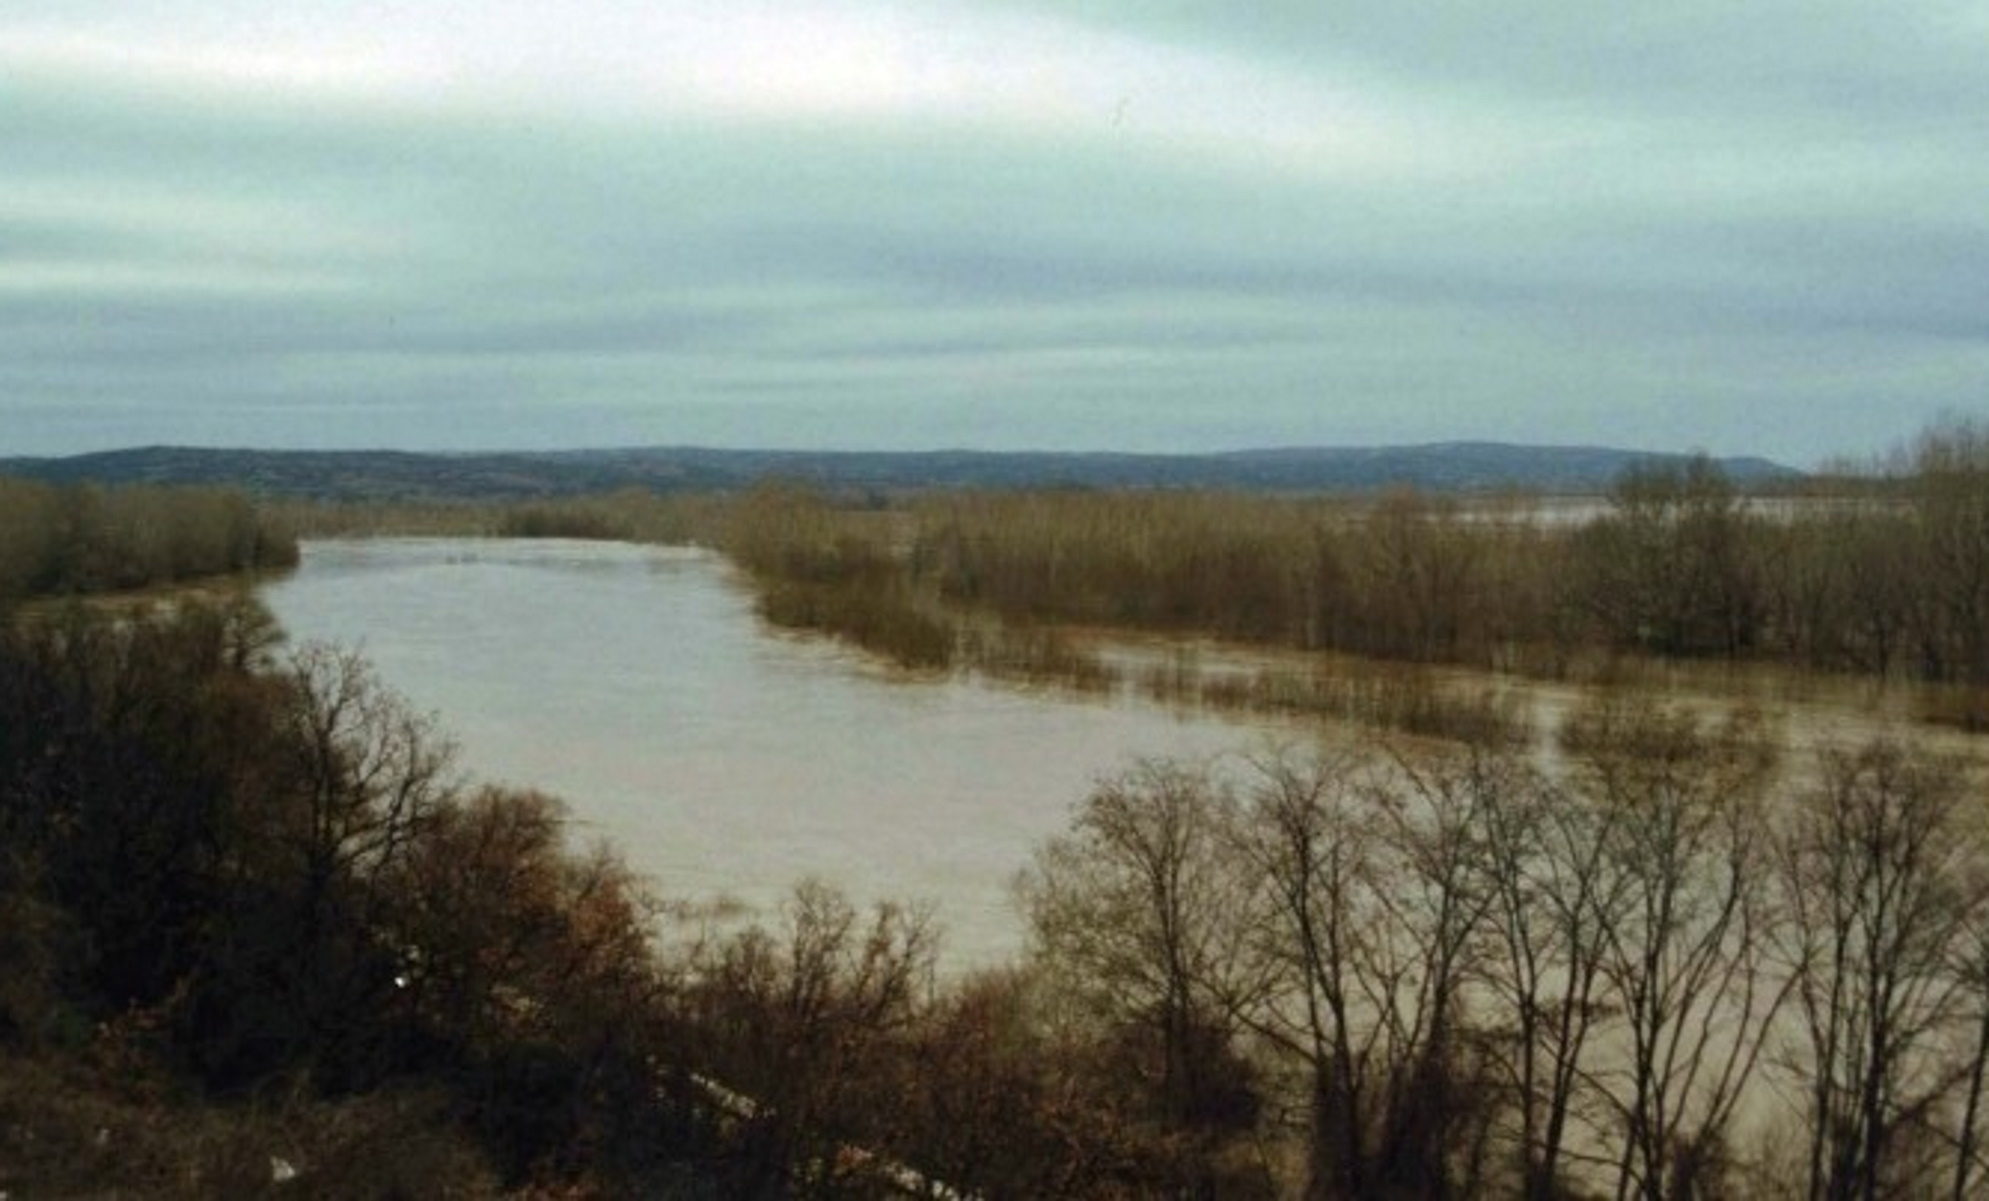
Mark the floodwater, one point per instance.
(723, 759)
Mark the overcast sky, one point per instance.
(1756, 227)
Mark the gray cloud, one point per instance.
(1749, 228)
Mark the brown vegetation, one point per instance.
(1613, 971)
(1877, 577)
(230, 871)
(818, 568)
(63, 541)
(628, 515)
(1885, 579)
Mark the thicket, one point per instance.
(629, 515)
(228, 874)
(67, 540)
(819, 567)
(1888, 580)
(1676, 564)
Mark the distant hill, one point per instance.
(397, 475)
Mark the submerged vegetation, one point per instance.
(1886, 581)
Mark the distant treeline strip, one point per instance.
(62, 540)
(627, 515)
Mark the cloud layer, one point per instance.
(1749, 228)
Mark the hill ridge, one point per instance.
(387, 474)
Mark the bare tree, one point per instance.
(1683, 952)
(1952, 513)
(1371, 890)
(1667, 569)
(1877, 874)
(1138, 905)
(1307, 836)
(1972, 966)
(1554, 899)
(356, 778)
(367, 771)
(798, 1017)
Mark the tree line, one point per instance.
(1886, 581)
(625, 515)
(1886, 578)
(60, 540)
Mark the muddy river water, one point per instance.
(726, 760)
(729, 761)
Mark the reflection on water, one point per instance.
(723, 759)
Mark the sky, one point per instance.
(1163, 225)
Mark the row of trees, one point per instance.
(1883, 577)
(64, 540)
(1660, 969)
(1885, 580)
(629, 514)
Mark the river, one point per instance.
(723, 759)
